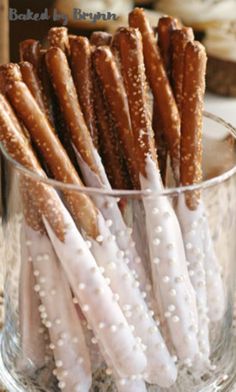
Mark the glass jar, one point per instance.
(76, 307)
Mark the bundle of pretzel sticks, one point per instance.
(79, 112)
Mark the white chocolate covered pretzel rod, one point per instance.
(104, 248)
(102, 312)
(160, 86)
(193, 210)
(171, 280)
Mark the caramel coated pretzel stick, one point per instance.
(58, 37)
(179, 40)
(166, 25)
(191, 172)
(102, 313)
(81, 65)
(160, 235)
(160, 86)
(104, 247)
(100, 38)
(114, 91)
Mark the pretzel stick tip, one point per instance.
(58, 37)
(100, 38)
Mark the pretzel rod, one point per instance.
(179, 40)
(30, 51)
(58, 37)
(191, 163)
(107, 250)
(161, 145)
(166, 25)
(114, 92)
(129, 40)
(34, 84)
(60, 315)
(133, 73)
(160, 87)
(82, 270)
(54, 155)
(191, 125)
(81, 65)
(100, 38)
(109, 144)
(66, 93)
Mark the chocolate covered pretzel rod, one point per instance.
(157, 78)
(171, 280)
(206, 275)
(81, 268)
(179, 40)
(105, 249)
(81, 65)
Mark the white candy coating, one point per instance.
(161, 369)
(191, 227)
(58, 313)
(121, 347)
(167, 246)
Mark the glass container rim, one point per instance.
(92, 191)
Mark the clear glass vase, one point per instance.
(113, 312)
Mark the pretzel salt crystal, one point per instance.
(166, 25)
(58, 37)
(160, 86)
(114, 91)
(160, 234)
(54, 154)
(191, 163)
(81, 65)
(66, 93)
(102, 313)
(100, 38)
(179, 40)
